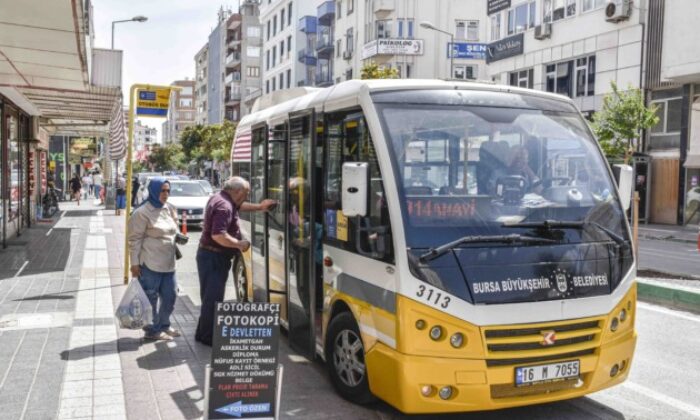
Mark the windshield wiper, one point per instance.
(555, 224)
(513, 238)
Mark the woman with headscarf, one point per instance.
(152, 231)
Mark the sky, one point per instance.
(161, 49)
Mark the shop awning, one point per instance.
(47, 60)
(117, 133)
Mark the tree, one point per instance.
(621, 120)
(167, 158)
(372, 71)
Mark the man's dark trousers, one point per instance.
(213, 269)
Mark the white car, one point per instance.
(188, 197)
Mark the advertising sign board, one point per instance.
(243, 378)
(153, 102)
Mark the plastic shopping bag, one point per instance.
(134, 311)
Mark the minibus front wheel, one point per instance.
(345, 359)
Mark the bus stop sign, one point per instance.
(153, 102)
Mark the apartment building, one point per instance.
(200, 84)
(278, 18)
(228, 66)
(145, 138)
(181, 113)
(344, 35)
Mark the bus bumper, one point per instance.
(398, 378)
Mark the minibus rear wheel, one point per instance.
(240, 279)
(345, 359)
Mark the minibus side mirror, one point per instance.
(623, 177)
(355, 183)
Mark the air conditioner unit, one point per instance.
(618, 10)
(347, 55)
(543, 31)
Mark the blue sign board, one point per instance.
(467, 50)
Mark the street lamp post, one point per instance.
(133, 19)
(139, 19)
(427, 25)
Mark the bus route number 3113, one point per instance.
(433, 297)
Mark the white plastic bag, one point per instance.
(134, 311)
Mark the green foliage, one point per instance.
(207, 143)
(620, 121)
(167, 158)
(372, 71)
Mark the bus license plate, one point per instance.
(531, 374)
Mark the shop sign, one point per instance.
(495, 6)
(392, 47)
(153, 102)
(32, 172)
(243, 377)
(505, 48)
(468, 50)
(42, 172)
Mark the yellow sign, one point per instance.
(52, 165)
(342, 226)
(153, 102)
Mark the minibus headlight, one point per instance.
(436, 332)
(445, 392)
(623, 315)
(420, 324)
(457, 339)
(427, 390)
(614, 324)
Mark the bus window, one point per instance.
(348, 140)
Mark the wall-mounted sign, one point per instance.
(494, 6)
(392, 47)
(153, 102)
(467, 50)
(507, 47)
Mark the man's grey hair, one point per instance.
(236, 183)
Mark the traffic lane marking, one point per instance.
(678, 314)
(666, 254)
(670, 401)
(49, 232)
(21, 268)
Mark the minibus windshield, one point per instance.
(475, 167)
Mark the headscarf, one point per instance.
(154, 186)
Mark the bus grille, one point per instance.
(526, 344)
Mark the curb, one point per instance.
(676, 297)
(668, 238)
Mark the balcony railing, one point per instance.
(326, 12)
(231, 77)
(324, 44)
(324, 78)
(307, 56)
(307, 24)
(233, 59)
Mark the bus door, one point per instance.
(301, 233)
(276, 179)
(257, 219)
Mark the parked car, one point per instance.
(206, 185)
(188, 197)
(143, 189)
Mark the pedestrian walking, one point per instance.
(152, 231)
(221, 240)
(134, 191)
(120, 201)
(87, 185)
(97, 184)
(75, 187)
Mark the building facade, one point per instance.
(344, 35)
(673, 81)
(145, 138)
(281, 40)
(182, 111)
(200, 85)
(228, 73)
